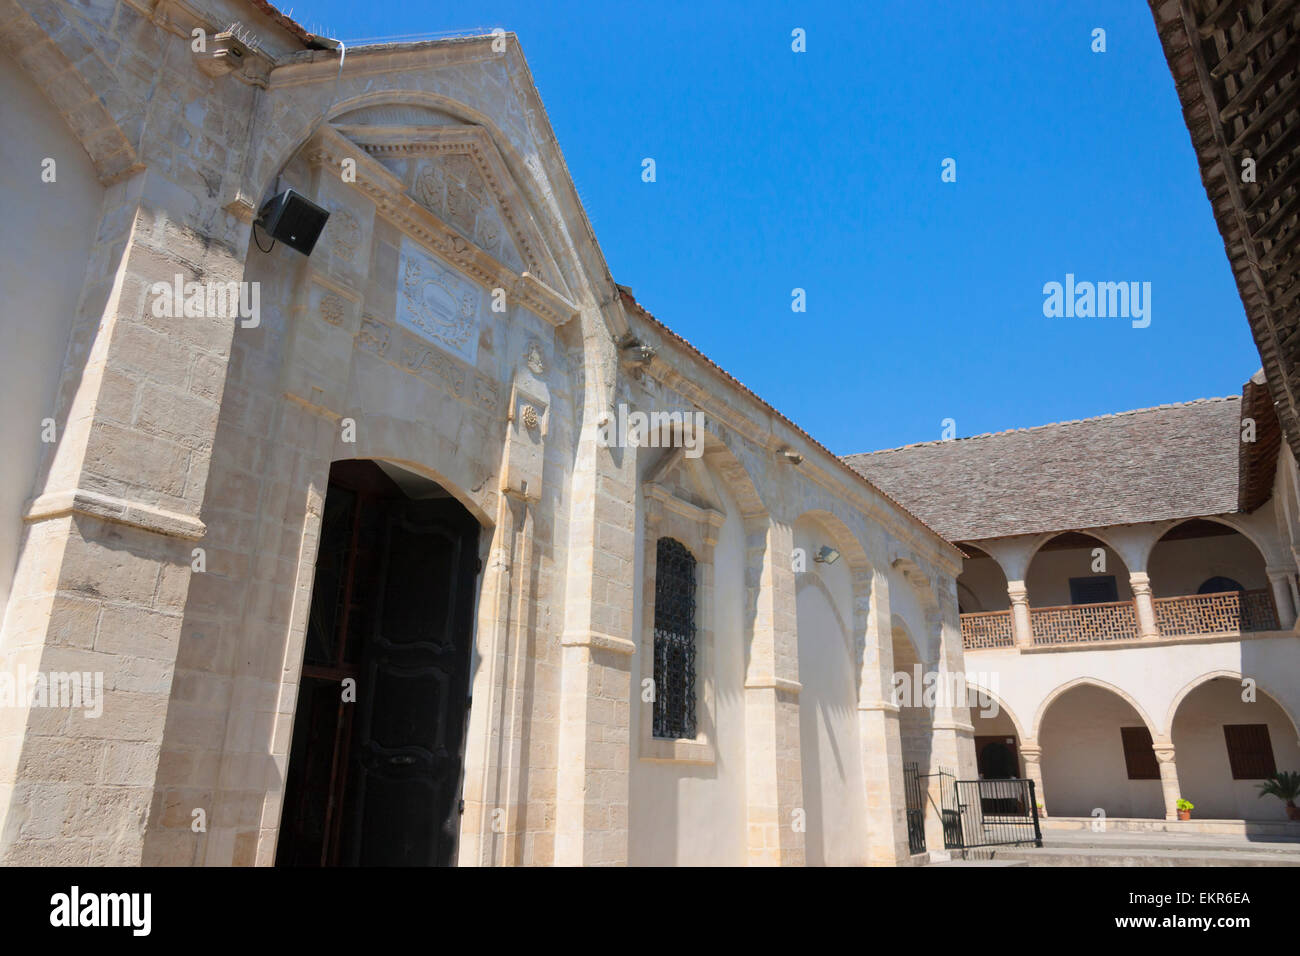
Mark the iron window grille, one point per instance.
(674, 648)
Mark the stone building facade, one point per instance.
(229, 517)
(1130, 583)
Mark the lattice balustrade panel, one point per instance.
(1228, 612)
(1084, 623)
(986, 629)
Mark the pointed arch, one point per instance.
(73, 75)
(1035, 582)
(1205, 678)
(921, 587)
(1002, 705)
(1119, 692)
(1240, 527)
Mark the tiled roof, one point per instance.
(283, 20)
(1153, 464)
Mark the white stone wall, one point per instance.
(44, 248)
(202, 432)
(830, 749)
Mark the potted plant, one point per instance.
(1284, 786)
(1185, 808)
(1041, 811)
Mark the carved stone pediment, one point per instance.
(684, 485)
(458, 174)
(386, 163)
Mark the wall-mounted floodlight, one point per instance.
(792, 456)
(826, 555)
(293, 219)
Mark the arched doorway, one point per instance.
(1227, 738)
(374, 773)
(1097, 755)
(997, 741)
(997, 759)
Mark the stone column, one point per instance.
(1280, 579)
(1020, 624)
(1032, 754)
(879, 739)
(1168, 777)
(774, 782)
(591, 825)
(104, 571)
(1145, 606)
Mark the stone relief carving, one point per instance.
(451, 187)
(347, 234)
(374, 336)
(421, 360)
(437, 303)
(331, 309)
(429, 187)
(534, 359)
(486, 392)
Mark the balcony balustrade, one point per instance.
(1227, 613)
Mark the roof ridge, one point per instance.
(1031, 428)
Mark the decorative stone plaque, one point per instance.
(437, 303)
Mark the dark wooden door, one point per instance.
(413, 693)
(996, 757)
(374, 772)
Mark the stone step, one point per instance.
(1169, 841)
(976, 862)
(1254, 829)
(1142, 856)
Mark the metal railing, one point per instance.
(997, 813)
(915, 808)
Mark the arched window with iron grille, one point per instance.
(674, 713)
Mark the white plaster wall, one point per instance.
(1181, 566)
(1152, 676)
(1155, 678)
(1048, 579)
(1201, 752)
(1083, 758)
(44, 247)
(687, 814)
(833, 787)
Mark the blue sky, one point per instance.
(821, 170)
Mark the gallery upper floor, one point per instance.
(1168, 524)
